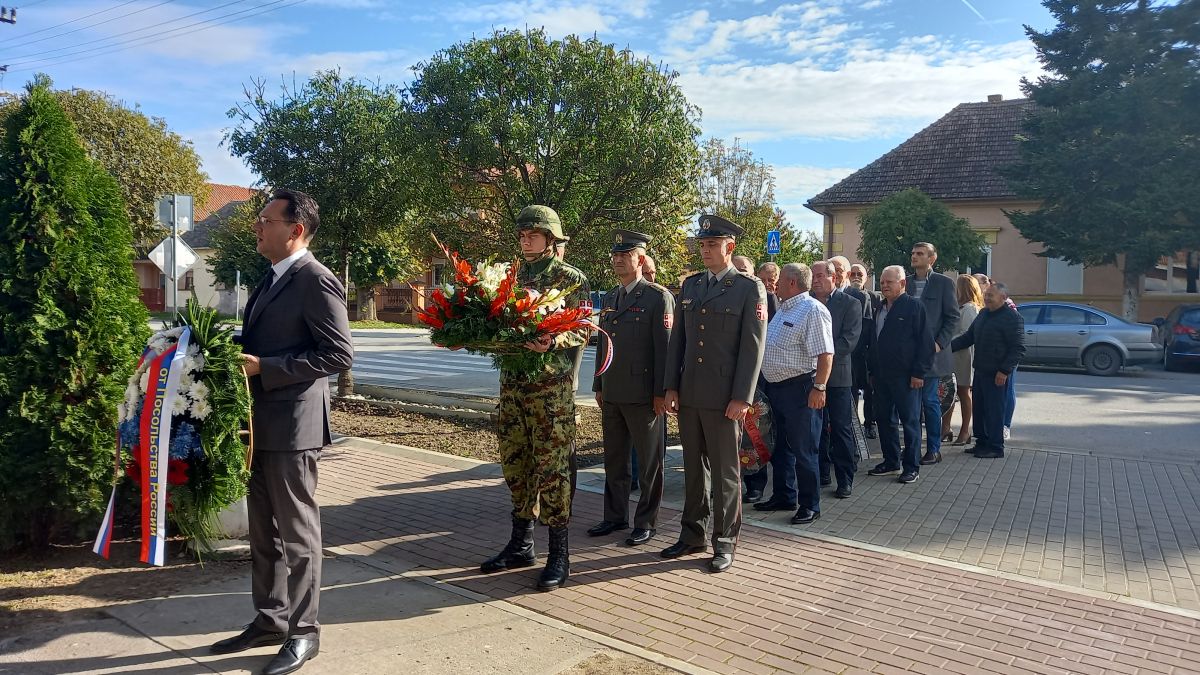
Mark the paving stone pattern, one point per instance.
(791, 604)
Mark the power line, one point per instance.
(148, 40)
(76, 30)
(87, 16)
(128, 32)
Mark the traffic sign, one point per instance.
(162, 256)
(177, 208)
(774, 242)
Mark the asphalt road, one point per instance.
(1139, 413)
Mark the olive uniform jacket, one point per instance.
(640, 328)
(717, 342)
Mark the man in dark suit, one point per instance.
(998, 335)
(713, 359)
(898, 359)
(637, 315)
(838, 448)
(296, 334)
(871, 301)
(939, 297)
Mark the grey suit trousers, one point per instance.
(636, 424)
(710, 465)
(285, 541)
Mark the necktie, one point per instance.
(270, 279)
(621, 296)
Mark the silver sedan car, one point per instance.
(1067, 334)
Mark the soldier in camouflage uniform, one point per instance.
(537, 414)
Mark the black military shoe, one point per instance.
(518, 552)
(252, 636)
(606, 527)
(639, 536)
(558, 562)
(679, 549)
(720, 562)
(294, 653)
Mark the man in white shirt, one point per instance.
(796, 365)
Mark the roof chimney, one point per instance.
(995, 98)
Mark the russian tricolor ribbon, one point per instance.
(104, 536)
(154, 443)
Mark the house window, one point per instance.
(439, 275)
(1063, 278)
(188, 282)
(984, 267)
(1175, 274)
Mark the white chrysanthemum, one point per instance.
(186, 382)
(144, 380)
(193, 364)
(122, 412)
(201, 409)
(179, 406)
(198, 391)
(193, 349)
(174, 333)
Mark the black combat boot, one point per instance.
(517, 553)
(558, 563)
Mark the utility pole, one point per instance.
(8, 15)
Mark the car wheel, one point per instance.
(1169, 363)
(1102, 360)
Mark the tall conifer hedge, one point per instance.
(71, 325)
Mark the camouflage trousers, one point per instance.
(536, 431)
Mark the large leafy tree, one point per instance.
(735, 185)
(145, 157)
(71, 324)
(1113, 151)
(891, 227)
(602, 136)
(341, 140)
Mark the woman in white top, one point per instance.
(970, 300)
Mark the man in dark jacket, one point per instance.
(871, 302)
(838, 448)
(937, 293)
(998, 335)
(898, 359)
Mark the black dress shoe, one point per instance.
(606, 527)
(990, 454)
(826, 482)
(842, 492)
(869, 431)
(974, 449)
(251, 636)
(772, 505)
(681, 549)
(805, 516)
(908, 477)
(883, 470)
(720, 562)
(751, 496)
(931, 458)
(640, 535)
(294, 653)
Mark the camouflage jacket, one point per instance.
(548, 273)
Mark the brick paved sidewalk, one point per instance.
(790, 604)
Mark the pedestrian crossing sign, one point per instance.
(774, 242)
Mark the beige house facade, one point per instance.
(953, 161)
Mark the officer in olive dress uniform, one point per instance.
(713, 359)
(536, 424)
(637, 315)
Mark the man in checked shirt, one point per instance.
(796, 366)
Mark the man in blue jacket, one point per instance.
(898, 360)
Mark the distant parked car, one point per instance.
(1180, 334)
(1066, 334)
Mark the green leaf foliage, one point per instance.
(1113, 150)
(145, 157)
(604, 137)
(71, 324)
(236, 247)
(890, 228)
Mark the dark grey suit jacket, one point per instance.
(941, 312)
(640, 329)
(846, 312)
(299, 330)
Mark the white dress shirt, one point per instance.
(286, 264)
(801, 331)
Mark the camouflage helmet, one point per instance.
(542, 218)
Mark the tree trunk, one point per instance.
(1132, 292)
(346, 378)
(367, 310)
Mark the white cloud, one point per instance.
(216, 161)
(796, 184)
(557, 17)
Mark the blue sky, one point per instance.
(816, 88)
